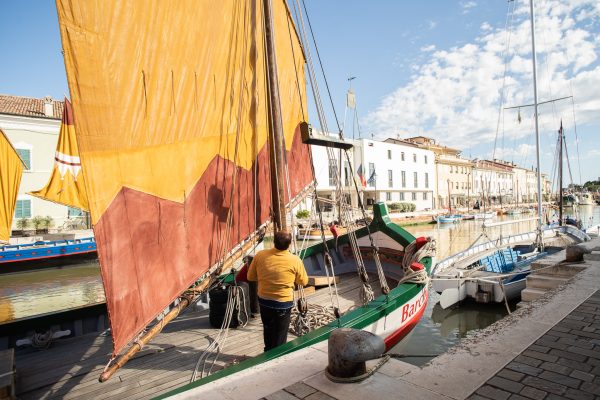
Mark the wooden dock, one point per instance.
(70, 367)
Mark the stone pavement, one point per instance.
(563, 363)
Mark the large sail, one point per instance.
(66, 185)
(11, 168)
(171, 110)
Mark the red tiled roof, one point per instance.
(28, 107)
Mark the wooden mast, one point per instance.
(276, 143)
(560, 175)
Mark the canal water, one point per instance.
(28, 294)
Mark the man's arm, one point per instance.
(252, 276)
(301, 276)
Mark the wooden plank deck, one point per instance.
(70, 367)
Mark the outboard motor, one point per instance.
(349, 350)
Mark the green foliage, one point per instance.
(401, 207)
(48, 222)
(23, 223)
(37, 221)
(302, 214)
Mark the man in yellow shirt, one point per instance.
(277, 270)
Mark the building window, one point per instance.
(424, 195)
(416, 180)
(25, 155)
(451, 169)
(457, 185)
(390, 178)
(372, 176)
(427, 180)
(347, 174)
(414, 157)
(403, 176)
(74, 212)
(389, 154)
(388, 196)
(425, 156)
(332, 172)
(401, 196)
(414, 196)
(23, 209)
(402, 156)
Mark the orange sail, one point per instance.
(11, 168)
(172, 124)
(66, 185)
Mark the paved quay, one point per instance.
(547, 349)
(557, 347)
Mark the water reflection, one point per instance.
(26, 294)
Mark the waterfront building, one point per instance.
(32, 126)
(390, 171)
(454, 183)
(493, 181)
(397, 171)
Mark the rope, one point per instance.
(411, 256)
(314, 317)
(42, 340)
(358, 378)
(236, 299)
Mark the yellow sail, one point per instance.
(170, 100)
(11, 168)
(66, 185)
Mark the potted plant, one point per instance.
(22, 224)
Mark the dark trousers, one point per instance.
(276, 323)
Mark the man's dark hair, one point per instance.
(282, 240)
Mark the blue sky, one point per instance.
(432, 68)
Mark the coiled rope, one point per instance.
(411, 255)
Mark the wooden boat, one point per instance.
(448, 219)
(199, 185)
(586, 199)
(45, 254)
(65, 186)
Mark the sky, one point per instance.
(443, 69)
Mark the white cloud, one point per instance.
(455, 96)
(467, 6)
(485, 27)
(431, 24)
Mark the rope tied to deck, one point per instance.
(42, 340)
(235, 301)
(414, 254)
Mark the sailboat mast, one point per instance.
(537, 130)
(560, 175)
(276, 146)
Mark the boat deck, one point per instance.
(70, 367)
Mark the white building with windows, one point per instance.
(396, 171)
(32, 126)
(390, 171)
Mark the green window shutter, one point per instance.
(25, 155)
(27, 208)
(19, 209)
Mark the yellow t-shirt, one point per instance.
(276, 272)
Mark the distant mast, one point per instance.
(537, 131)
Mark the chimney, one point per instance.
(48, 107)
